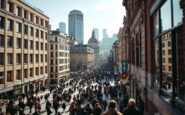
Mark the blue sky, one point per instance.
(97, 14)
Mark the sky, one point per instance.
(97, 14)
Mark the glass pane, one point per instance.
(166, 16)
(166, 66)
(156, 24)
(180, 65)
(156, 64)
(177, 12)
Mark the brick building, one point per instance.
(156, 54)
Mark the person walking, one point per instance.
(48, 107)
(112, 109)
(131, 109)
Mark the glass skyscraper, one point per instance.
(76, 25)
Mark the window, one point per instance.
(46, 35)
(56, 39)
(46, 46)
(9, 25)
(41, 22)
(31, 72)
(156, 24)
(1, 77)
(42, 34)
(31, 44)
(51, 69)
(25, 29)
(1, 40)
(18, 11)
(56, 47)
(51, 46)
(31, 58)
(18, 27)
(9, 41)
(9, 76)
(46, 58)
(51, 54)
(18, 43)
(25, 14)
(2, 4)
(37, 33)
(37, 70)
(9, 7)
(41, 70)
(166, 16)
(37, 45)
(37, 58)
(56, 54)
(31, 31)
(25, 58)
(51, 62)
(177, 11)
(18, 75)
(56, 61)
(25, 73)
(41, 58)
(41, 45)
(46, 69)
(2, 22)
(37, 19)
(25, 43)
(1, 58)
(18, 59)
(31, 17)
(46, 24)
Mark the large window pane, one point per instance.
(166, 67)
(166, 16)
(177, 12)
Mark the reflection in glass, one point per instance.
(156, 24)
(166, 67)
(177, 12)
(166, 16)
(156, 65)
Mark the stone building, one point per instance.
(23, 47)
(81, 57)
(58, 58)
(94, 44)
(156, 54)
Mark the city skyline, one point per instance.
(97, 14)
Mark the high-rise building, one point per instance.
(59, 58)
(96, 33)
(23, 47)
(105, 35)
(76, 25)
(62, 27)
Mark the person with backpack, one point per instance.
(112, 109)
(64, 106)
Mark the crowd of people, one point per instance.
(91, 93)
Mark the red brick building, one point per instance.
(156, 54)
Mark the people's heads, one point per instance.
(131, 102)
(112, 104)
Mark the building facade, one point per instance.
(115, 56)
(94, 44)
(76, 25)
(23, 47)
(81, 57)
(155, 51)
(59, 58)
(96, 33)
(62, 27)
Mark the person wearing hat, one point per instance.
(112, 109)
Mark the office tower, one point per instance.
(62, 27)
(105, 33)
(76, 25)
(59, 58)
(96, 33)
(23, 47)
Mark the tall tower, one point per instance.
(62, 27)
(96, 33)
(105, 33)
(76, 25)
